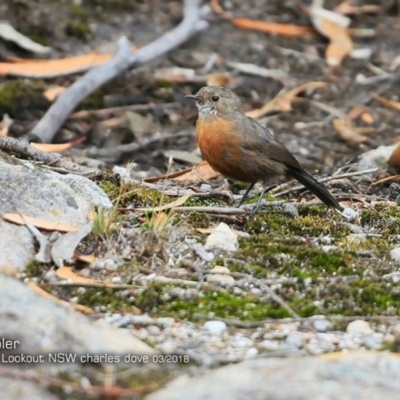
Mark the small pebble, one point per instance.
(222, 239)
(223, 277)
(328, 249)
(359, 327)
(205, 186)
(201, 252)
(356, 238)
(270, 345)
(215, 327)
(349, 213)
(154, 330)
(361, 54)
(395, 254)
(394, 277)
(322, 325)
(251, 353)
(110, 265)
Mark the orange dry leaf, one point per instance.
(262, 26)
(348, 9)
(5, 125)
(359, 110)
(395, 178)
(159, 221)
(388, 103)
(57, 148)
(200, 172)
(168, 176)
(52, 93)
(218, 79)
(348, 133)
(51, 68)
(283, 102)
(273, 28)
(279, 29)
(334, 27)
(88, 258)
(39, 223)
(217, 8)
(68, 273)
(42, 292)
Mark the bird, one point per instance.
(238, 147)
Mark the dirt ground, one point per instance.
(317, 145)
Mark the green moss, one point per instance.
(132, 194)
(33, 269)
(105, 298)
(114, 4)
(22, 97)
(78, 28)
(198, 220)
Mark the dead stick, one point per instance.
(124, 59)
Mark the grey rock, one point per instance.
(42, 194)
(20, 390)
(17, 247)
(344, 376)
(42, 326)
(376, 158)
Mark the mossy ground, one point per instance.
(312, 264)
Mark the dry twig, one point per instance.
(124, 59)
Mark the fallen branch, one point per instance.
(105, 113)
(24, 149)
(123, 60)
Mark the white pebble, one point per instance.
(359, 327)
(395, 254)
(356, 238)
(221, 276)
(322, 325)
(215, 327)
(270, 345)
(349, 213)
(154, 330)
(222, 239)
(252, 352)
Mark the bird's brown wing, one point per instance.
(273, 158)
(271, 155)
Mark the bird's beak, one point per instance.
(193, 96)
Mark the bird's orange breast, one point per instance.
(219, 145)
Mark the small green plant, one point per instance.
(105, 221)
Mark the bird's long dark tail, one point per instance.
(313, 186)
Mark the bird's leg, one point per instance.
(264, 189)
(246, 193)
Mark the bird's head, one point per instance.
(216, 101)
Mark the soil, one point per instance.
(317, 147)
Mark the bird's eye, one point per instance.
(215, 98)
